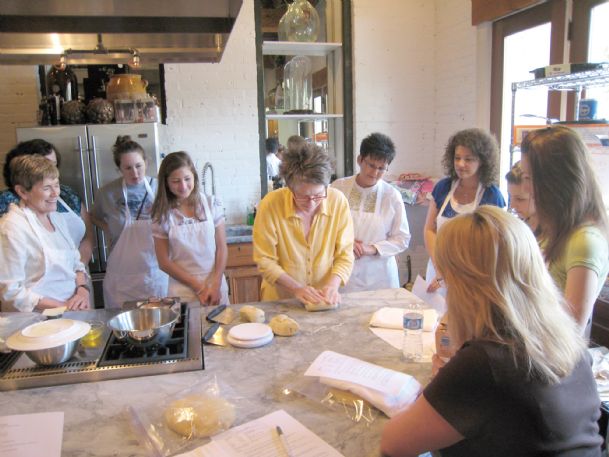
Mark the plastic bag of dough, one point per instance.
(309, 306)
(175, 421)
(249, 313)
(199, 415)
(284, 325)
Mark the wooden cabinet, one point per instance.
(242, 274)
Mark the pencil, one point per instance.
(284, 442)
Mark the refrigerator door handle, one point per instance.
(82, 171)
(96, 187)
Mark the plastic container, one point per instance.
(413, 336)
(443, 342)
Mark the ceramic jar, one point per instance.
(126, 87)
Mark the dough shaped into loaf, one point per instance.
(249, 313)
(284, 325)
(309, 306)
(199, 415)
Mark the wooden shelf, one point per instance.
(292, 48)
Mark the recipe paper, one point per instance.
(330, 364)
(259, 438)
(435, 299)
(31, 435)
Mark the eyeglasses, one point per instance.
(310, 198)
(382, 169)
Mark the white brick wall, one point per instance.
(212, 114)
(19, 96)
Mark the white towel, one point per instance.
(394, 318)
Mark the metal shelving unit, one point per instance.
(575, 82)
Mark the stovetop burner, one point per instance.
(119, 352)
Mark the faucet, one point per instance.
(204, 173)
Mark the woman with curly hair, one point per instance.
(470, 162)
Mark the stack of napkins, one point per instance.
(394, 318)
(388, 390)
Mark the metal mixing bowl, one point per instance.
(54, 356)
(144, 326)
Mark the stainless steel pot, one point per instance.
(142, 327)
(54, 356)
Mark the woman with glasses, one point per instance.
(303, 233)
(572, 220)
(520, 383)
(521, 202)
(470, 160)
(379, 218)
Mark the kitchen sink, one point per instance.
(238, 230)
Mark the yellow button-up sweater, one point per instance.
(280, 246)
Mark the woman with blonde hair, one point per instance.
(521, 382)
(557, 171)
(189, 235)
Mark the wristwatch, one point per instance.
(84, 286)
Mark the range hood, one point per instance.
(112, 31)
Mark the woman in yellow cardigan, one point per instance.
(303, 233)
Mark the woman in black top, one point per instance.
(521, 383)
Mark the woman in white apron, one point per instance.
(69, 204)
(122, 208)
(379, 218)
(189, 235)
(470, 160)
(41, 266)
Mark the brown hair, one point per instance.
(514, 176)
(565, 189)
(306, 163)
(28, 170)
(483, 146)
(125, 145)
(165, 200)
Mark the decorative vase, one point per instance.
(300, 22)
(298, 86)
(126, 87)
(73, 112)
(100, 111)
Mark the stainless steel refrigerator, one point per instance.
(87, 164)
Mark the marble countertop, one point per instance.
(96, 423)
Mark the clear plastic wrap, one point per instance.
(187, 418)
(354, 407)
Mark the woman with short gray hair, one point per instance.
(41, 265)
(303, 233)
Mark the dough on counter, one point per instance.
(249, 313)
(199, 416)
(309, 306)
(284, 325)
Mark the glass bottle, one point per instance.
(298, 85)
(300, 22)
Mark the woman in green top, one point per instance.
(572, 221)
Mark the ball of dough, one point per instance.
(309, 306)
(199, 415)
(249, 313)
(283, 325)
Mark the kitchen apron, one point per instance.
(371, 272)
(77, 229)
(193, 248)
(59, 278)
(132, 271)
(74, 223)
(440, 220)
